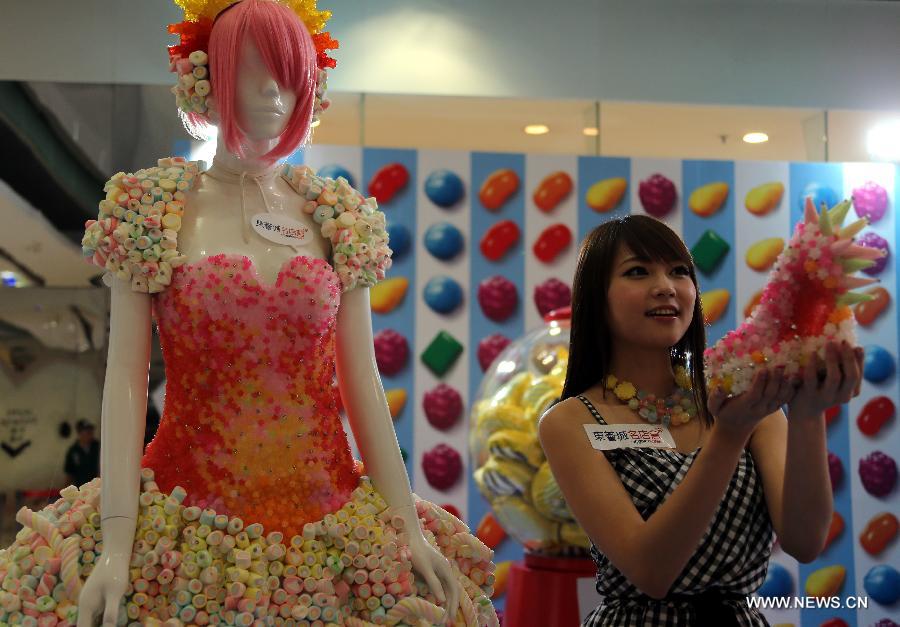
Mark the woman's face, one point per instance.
(651, 304)
(263, 107)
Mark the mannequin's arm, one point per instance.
(365, 402)
(124, 403)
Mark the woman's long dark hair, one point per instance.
(590, 344)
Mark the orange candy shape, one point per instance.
(752, 303)
(764, 198)
(708, 199)
(714, 302)
(866, 313)
(605, 195)
(501, 575)
(879, 532)
(498, 188)
(489, 531)
(552, 191)
(388, 294)
(836, 528)
(396, 400)
(825, 582)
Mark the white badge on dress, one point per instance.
(608, 437)
(281, 229)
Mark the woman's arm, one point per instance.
(650, 553)
(793, 462)
(370, 419)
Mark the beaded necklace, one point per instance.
(675, 409)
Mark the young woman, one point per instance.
(682, 535)
(248, 507)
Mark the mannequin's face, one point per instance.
(263, 107)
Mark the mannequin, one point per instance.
(244, 181)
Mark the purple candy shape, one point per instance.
(835, 470)
(870, 200)
(871, 239)
(878, 472)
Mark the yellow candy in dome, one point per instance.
(501, 573)
(762, 254)
(511, 391)
(524, 523)
(764, 198)
(706, 200)
(547, 497)
(537, 390)
(604, 195)
(490, 420)
(396, 399)
(573, 534)
(388, 294)
(534, 412)
(825, 582)
(714, 303)
(516, 446)
(503, 477)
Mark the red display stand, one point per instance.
(543, 591)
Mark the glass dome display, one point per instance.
(510, 469)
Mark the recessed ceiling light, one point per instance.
(537, 129)
(883, 141)
(756, 138)
(591, 131)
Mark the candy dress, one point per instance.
(252, 509)
(730, 562)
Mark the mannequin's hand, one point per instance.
(103, 590)
(434, 568)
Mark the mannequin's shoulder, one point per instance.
(352, 223)
(135, 235)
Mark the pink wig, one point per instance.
(290, 57)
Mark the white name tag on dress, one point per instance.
(281, 229)
(608, 437)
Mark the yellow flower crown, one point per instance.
(195, 10)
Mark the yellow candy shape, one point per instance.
(511, 392)
(516, 446)
(825, 582)
(764, 198)
(388, 294)
(604, 195)
(501, 573)
(547, 497)
(396, 400)
(490, 419)
(762, 254)
(706, 200)
(714, 303)
(574, 535)
(522, 521)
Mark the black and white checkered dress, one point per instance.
(731, 559)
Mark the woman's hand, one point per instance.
(843, 367)
(737, 416)
(434, 568)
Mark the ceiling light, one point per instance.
(883, 141)
(537, 129)
(591, 131)
(756, 138)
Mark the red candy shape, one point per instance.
(498, 297)
(551, 295)
(879, 532)
(832, 413)
(499, 239)
(835, 469)
(552, 241)
(497, 188)
(451, 509)
(443, 406)
(552, 190)
(657, 195)
(387, 181)
(489, 347)
(442, 466)
(391, 351)
(834, 622)
(875, 414)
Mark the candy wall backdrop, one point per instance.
(487, 242)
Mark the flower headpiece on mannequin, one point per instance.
(288, 37)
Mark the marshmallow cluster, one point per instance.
(194, 566)
(135, 235)
(352, 223)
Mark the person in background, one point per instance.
(83, 457)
